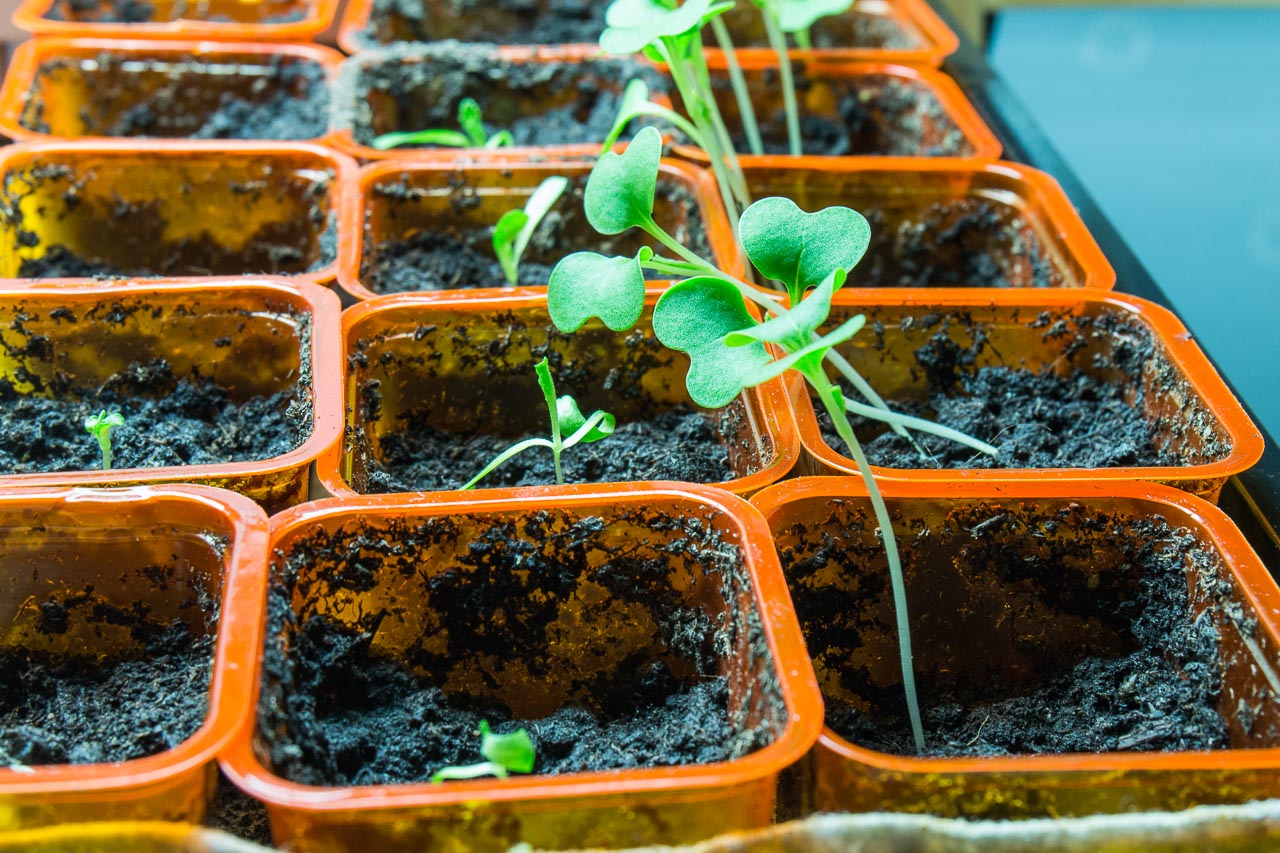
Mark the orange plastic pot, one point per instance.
(254, 338)
(464, 365)
(1176, 388)
(216, 20)
(98, 88)
(397, 201)
(906, 31)
(370, 98)
(134, 836)
(987, 627)
(158, 551)
(946, 223)
(935, 119)
(181, 210)
(770, 683)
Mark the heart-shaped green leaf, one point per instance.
(693, 317)
(793, 328)
(801, 249)
(631, 25)
(620, 190)
(797, 15)
(585, 285)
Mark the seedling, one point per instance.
(515, 228)
(472, 135)
(705, 316)
(796, 17)
(99, 426)
(507, 754)
(566, 418)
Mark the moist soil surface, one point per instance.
(561, 22)
(167, 422)
(143, 12)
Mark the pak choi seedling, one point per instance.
(99, 426)
(472, 135)
(705, 315)
(515, 228)
(506, 754)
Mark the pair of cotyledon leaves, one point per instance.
(633, 25)
(705, 316)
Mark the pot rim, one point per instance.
(30, 17)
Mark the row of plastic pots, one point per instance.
(871, 30)
(191, 210)
(97, 88)
(412, 575)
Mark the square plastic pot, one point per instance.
(946, 223)
(397, 201)
(900, 111)
(252, 338)
(464, 366)
(181, 210)
(157, 550)
(589, 649)
(215, 20)
(98, 88)
(1148, 352)
(983, 624)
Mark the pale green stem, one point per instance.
(803, 40)
(513, 450)
(104, 443)
(745, 107)
(778, 42)
(692, 99)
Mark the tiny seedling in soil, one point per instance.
(472, 135)
(566, 419)
(705, 315)
(515, 228)
(506, 754)
(99, 426)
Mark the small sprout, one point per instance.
(506, 754)
(472, 134)
(99, 426)
(515, 228)
(566, 418)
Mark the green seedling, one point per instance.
(515, 228)
(99, 426)
(506, 754)
(797, 17)
(566, 420)
(472, 135)
(706, 316)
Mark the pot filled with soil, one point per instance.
(436, 389)
(947, 223)
(76, 210)
(430, 227)
(853, 109)
(76, 88)
(233, 385)
(1087, 387)
(129, 619)
(216, 20)
(635, 635)
(567, 29)
(1078, 648)
(906, 31)
(549, 108)
(147, 837)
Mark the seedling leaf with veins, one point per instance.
(99, 426)
(472, 135)
(515, 228)
(568, 427)
(506, 754)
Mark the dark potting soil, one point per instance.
(1139, 673)
(238, 814)
(103, 11)
(522, 21)
(335, 712)
(82, 711)
(167, 422)
(679, 444)
(449, 259)
(849, 29)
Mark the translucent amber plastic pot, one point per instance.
(251, 337)
(77, 210)
(987, 628)
(877, 109)
(906, 31)
(99, 88)
(763, 660)
(397, 201)
(65, 544)
(946, 223)
(1176, 388)
(217, 20)
(134, 836)
(464, 365)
